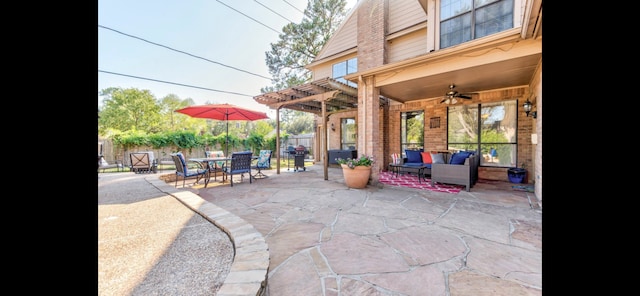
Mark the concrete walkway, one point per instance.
(326, 239)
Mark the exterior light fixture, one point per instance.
(527, 109)
(333, 127)
(450, 101)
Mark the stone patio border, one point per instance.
(250, 267)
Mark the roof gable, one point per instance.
(344, 38)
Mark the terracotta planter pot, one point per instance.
(357, 177)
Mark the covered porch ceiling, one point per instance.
(487, 77)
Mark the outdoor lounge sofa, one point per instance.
(460, 168)
(344, 154)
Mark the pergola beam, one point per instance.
(318, 97)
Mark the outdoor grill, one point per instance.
(297, 154)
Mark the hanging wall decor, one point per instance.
(435, 122)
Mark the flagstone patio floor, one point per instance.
(295, 233)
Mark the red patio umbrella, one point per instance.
(224, 112)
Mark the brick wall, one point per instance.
(388, 139)
(371, 34)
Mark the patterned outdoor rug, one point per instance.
(411, 181)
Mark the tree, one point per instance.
(129, 109)
(172, 121)
(300, 43)
(298, 46)
(301, 124)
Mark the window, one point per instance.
(343, 68)
(489, 128)
(349, 132)
(464, 20)
(412, 130)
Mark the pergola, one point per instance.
(322, 97)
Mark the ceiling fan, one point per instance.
(451, 97)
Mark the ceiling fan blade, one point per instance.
(464, 97)
(443, 100)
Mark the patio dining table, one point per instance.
(206, 161)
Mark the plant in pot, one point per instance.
(356, 171)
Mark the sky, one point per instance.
(212, 51)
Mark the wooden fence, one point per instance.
(112, 153)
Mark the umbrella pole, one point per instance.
(227, 136)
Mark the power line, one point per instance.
(248, 16)
(273, 11)
(208, 60)
(285, 1)
(209, 89)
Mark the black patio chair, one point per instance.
(240, 164)
(103, 164)
(182, 170)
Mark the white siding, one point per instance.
(346, 37)
(404, 14)
(408, 46)
(322, 71)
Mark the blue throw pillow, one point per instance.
(413, 155)
(458, 158)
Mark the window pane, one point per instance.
(465, 20)
(494, 18)
(499, 134)
(499, 122)
(352, 65)
(412, 130)
(479, 3)
(499, 155)
(349, 133)
(455, 31)
(497, 141)
(450, 8)
(462, 127)
(339, 69)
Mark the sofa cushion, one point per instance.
(437, 158)
(413, 156)
(459, 157)
(395, 158)
(426, 157)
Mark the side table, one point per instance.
(417, 169)
(395, 168)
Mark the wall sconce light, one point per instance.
(333, 127)
(527, 109)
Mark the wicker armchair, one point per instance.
(461, 174)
